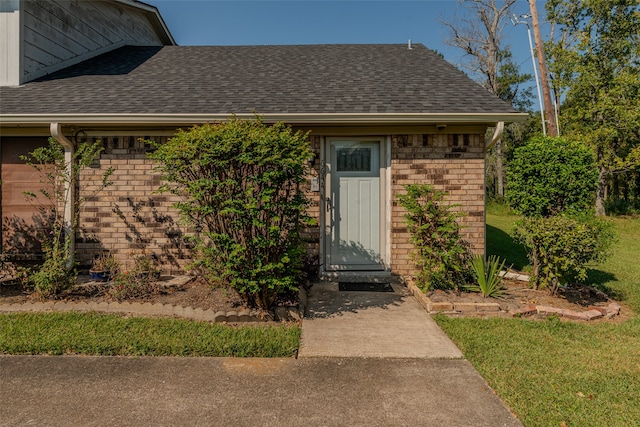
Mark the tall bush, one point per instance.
(552, 183)
(551, 175)
(240, 184)
(441, 254)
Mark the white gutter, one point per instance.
(290, 118)
(69, 230)
(497, 134)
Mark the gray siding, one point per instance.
(58, 33)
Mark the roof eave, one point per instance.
(290, 118)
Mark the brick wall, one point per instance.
(129, 218)
(451, 163)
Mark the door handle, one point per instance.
(328, 204)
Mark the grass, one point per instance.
(555, 372)
(114, 335)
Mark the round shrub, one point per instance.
(551, 175)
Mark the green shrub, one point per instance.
(487, 275)
(440, 252)
(240, 184)
(550, 176)
(561, 247)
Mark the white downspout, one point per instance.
(497, 134)
(56, 133)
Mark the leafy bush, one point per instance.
(440, 252)
(551, 175)
(54, 275)
(240, 184)
(560, 247)
(487, 275)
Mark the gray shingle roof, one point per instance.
(262, 79)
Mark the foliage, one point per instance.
(479, 34)
(551, 175)
(146, 264)
(440, 252)
(105, 262)
(133, 284)
(552, 182)
(595, 62)
(240, 184)
(487, 275)
(561, 247)
(618, 276)
(59, 177)
(115, 335)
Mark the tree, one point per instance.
(240, 189)
(479, 35)
(595, 65)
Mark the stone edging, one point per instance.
(494, 309)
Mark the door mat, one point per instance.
(365, 287)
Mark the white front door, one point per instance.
(354, 208)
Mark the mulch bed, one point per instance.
(197, 294)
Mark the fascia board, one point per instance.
(291, 118)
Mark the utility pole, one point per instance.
(544, 77)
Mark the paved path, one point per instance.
(167, 391)
(370, 324)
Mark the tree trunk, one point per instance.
(600, 191)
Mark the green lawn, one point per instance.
(101, 334)
(553, 372)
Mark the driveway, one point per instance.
(167, 391)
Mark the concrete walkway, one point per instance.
(370, 324)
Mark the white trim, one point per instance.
(292, 118)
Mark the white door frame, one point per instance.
(384, 200)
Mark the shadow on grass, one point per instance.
(502, 244)
(599, 279)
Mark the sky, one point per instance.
(268, 22)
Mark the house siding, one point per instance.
(40, 37)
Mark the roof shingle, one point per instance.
(255, 79)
